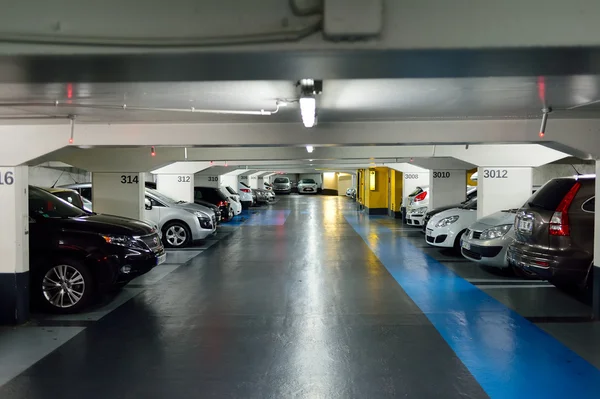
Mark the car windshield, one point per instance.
(163, 197)
(307, 181)
(281, 180)
(42, 204)
(418, 190)
(470, 204)
(231, 190)
(70, 196)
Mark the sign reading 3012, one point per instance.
(495, 174)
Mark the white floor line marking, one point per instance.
(497, 287)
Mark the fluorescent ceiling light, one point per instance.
(310, 148)
(308, 109)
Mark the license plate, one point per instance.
(525, 225)
(466, 245)
(161, 259)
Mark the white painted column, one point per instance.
(253, 181)
(501, 188)
(180, 187)
(207, 180)
(14, 245)
(120, 194)
(412, 180)
(596, 269)
(447, 187)
(229, 180)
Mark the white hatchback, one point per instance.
(445, 228)
(234, 199)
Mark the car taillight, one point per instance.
(245, 190)
(559, 223)
(222, 203)
(421, 196)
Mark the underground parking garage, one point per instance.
(271, 215)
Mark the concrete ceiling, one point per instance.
(341, 101)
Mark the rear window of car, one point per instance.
(589, 205)
(281, 180)
(230, 190)
(418, 190)
(550, 194)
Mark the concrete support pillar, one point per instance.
(502, 188)
(14, 245)
(376, 191)
(177, 186)
(447, 187)
(120, 194)
(207, 180)
(253, 181)
(396, 180)
(229, 180)
(596, 268)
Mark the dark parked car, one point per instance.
(214, 208)
(215, 197)
(554, 233)
(75, 255)
(470, 195)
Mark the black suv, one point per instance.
(215, 197)
(555, 233)
(75, 255)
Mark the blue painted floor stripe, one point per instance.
(509, 356)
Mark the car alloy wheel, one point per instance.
(176, 235)
(63, 286)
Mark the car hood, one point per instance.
(107, 224)
(188, 206)
(495, 219)
(465, 216)
(435, 211)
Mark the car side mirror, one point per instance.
(147, 204)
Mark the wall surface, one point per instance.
(344, 183)
(46, 177)
(544, 173)
(330, 183)
(230, 180)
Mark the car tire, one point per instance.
(176, 235)
(456, 247)
(77, 290)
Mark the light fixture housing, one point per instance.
(309, 89)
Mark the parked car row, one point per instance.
(550, 237)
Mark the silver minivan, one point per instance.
(180, 222)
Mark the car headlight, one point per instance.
(495, 232)
(124, 241)
(200, 215)
(420, 211)
(447, 221)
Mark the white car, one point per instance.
(486, 241)
(445, 228)
(246, 197)
(234, 199)
(417, 206)
(307, 186)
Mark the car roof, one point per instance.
(58, 189)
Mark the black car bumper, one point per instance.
(123, 265)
